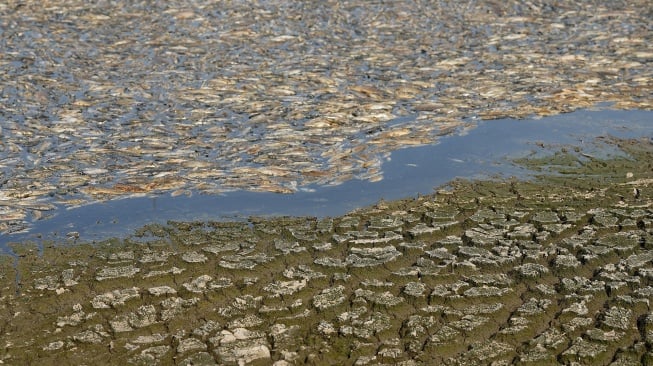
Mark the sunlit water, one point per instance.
(482, 152)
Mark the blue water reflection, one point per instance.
(481, 152)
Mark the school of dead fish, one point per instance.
(113, 99)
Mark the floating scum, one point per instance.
(113, 99)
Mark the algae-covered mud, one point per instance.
(555, 270)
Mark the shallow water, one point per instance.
(167, 96)
(483, 151)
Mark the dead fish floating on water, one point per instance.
(199, 98)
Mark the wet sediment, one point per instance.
(555, 270)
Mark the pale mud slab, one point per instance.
(556, 270)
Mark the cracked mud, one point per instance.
(554, 270)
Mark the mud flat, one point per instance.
(555, 270)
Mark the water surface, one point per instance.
(481, 152)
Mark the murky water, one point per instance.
(483, 151)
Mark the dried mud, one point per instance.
(556, 270)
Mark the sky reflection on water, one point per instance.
(483, 151)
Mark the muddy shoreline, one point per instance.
(113, 100)
(505, 272)
(484, 151)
